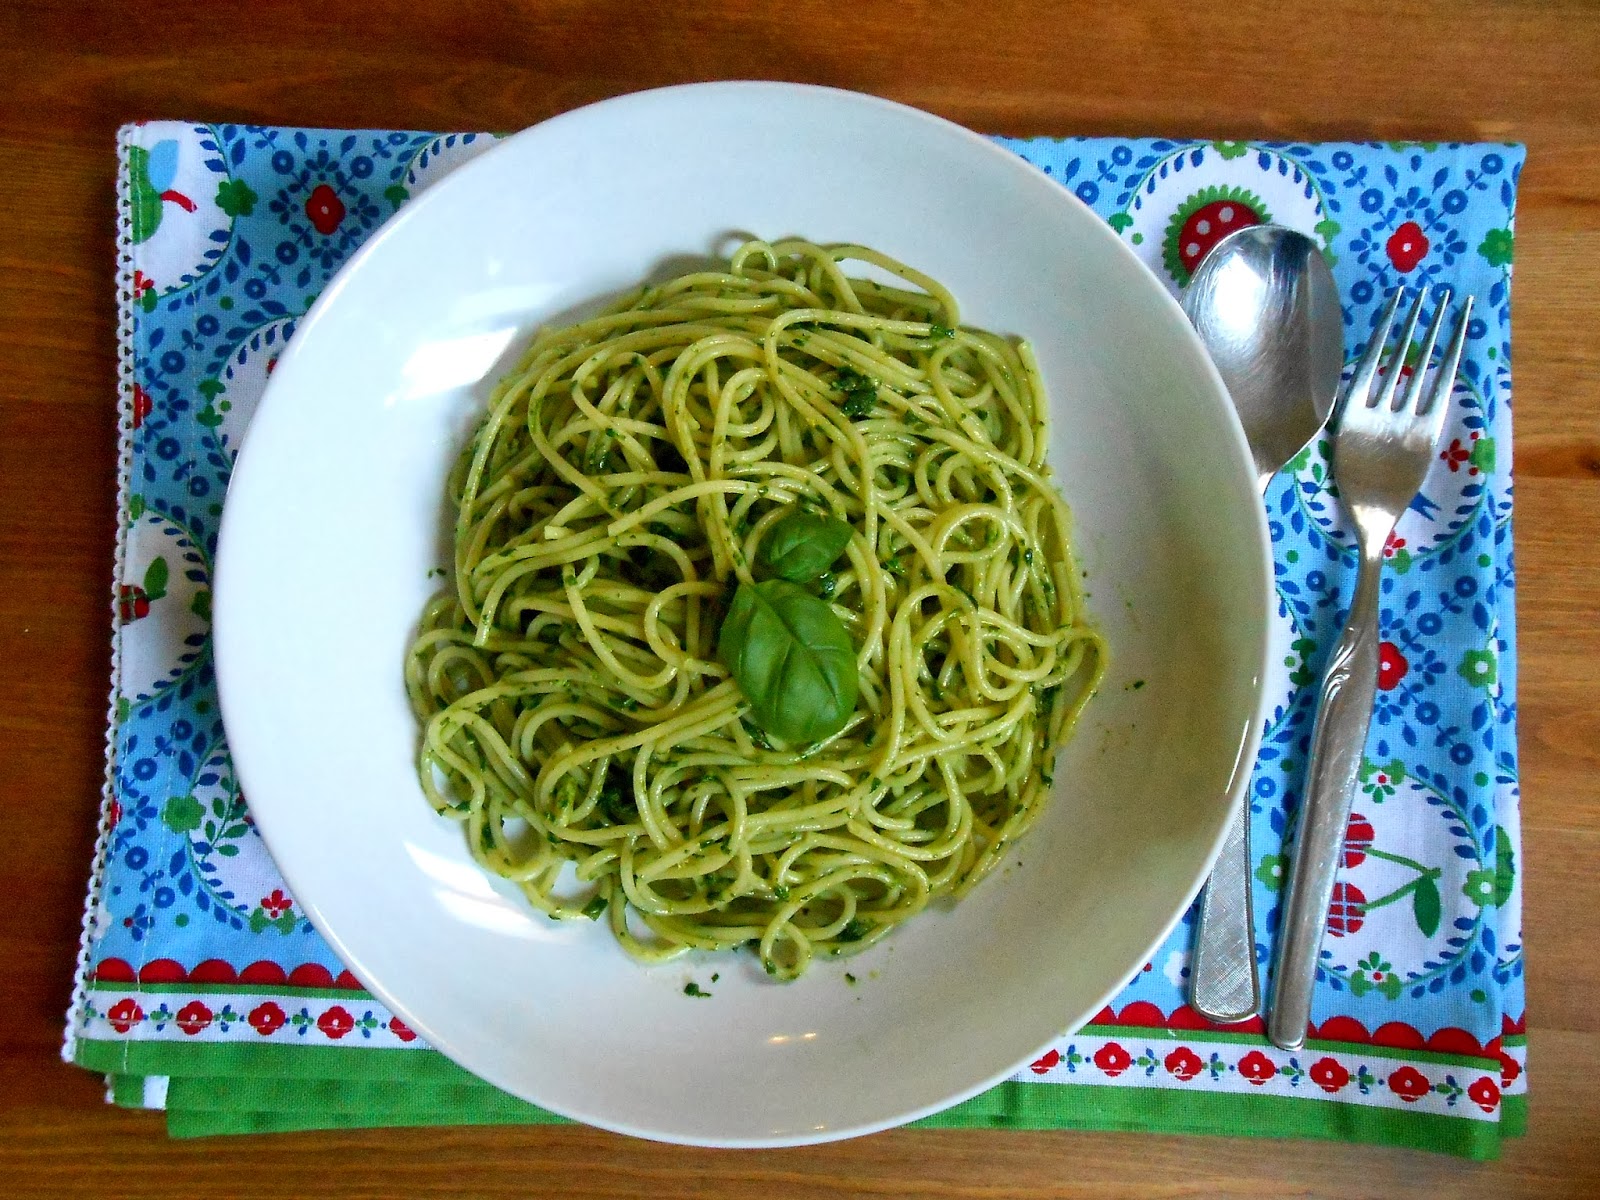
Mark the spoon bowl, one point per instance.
(1265, 304)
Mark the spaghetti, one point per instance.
(621, 493)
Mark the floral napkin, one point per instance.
(202, 989)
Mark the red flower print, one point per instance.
(406, 1034)
(1257, 1067)
(1457, 455)
(266, 1019)
(142, 283)
(1392, 665)
(336, 1022)
(1485, 1094)
(124, 1015)
(1407, 246)
(324, 209)
(116, 813)
(1510, 1068)
(1358, 835)
(1112, 1059)
(1348, 910)
(1045, 1061)
(1329, 1075)
(1393, 543)
(1183, 1063)
(143, 406)
(1409, 1084)
(276, 904)
(193, 1017)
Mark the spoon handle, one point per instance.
(1223, 983)
(1224, 987)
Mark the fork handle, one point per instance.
(1344, 713)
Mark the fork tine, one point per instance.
(1359, 391)
(1397, 360)
(1413, 393)
(1438, 400)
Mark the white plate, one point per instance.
(335, 517)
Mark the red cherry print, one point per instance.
(1358, 835)
(1348, 911)
(132, 603)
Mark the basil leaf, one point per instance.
(792, 659)
(801, 545)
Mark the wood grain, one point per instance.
(1510, 69)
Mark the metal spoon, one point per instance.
(1266, 306)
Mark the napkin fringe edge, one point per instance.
(125, 383)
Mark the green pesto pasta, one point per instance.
(576, 716)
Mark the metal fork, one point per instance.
(1382, 448)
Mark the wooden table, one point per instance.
(1467, 69)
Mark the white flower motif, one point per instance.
(1176, 968)
(102, 921)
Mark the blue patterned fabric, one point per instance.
(229, 233)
